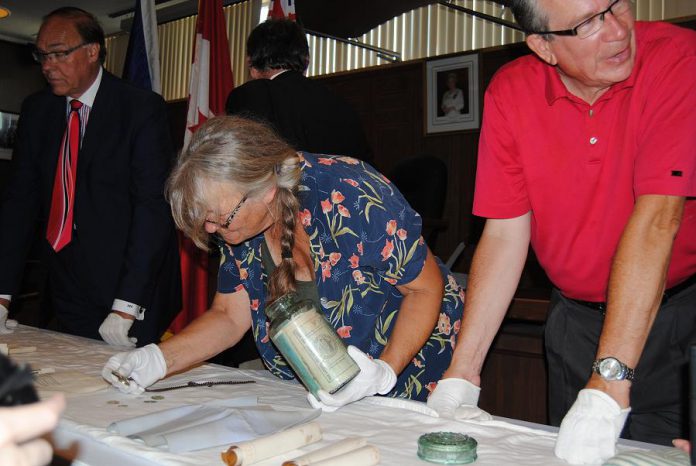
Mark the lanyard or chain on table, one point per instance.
(200, 384)
(127, 380)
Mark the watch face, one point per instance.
(610, 369)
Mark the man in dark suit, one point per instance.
(95, 186)
(303, 111)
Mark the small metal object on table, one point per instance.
(191, 384)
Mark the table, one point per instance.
(392, 428)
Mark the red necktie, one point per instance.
(60, 220)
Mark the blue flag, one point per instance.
(141, 66)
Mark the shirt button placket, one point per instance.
(593, 136)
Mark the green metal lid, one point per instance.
(447, 448)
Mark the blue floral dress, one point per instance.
(364, 240)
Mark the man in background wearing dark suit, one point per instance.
(89, 165)
(303, 111)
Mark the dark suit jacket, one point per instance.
(124, 243)
(304, 112)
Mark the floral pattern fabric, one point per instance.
(364, 240)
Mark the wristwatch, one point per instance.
(612, 369)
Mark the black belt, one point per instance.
(669, 293)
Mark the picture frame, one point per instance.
(8, 133)
(452, 94)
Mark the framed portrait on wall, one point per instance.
(452, 94)
(8, 133)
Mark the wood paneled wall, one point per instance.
(390, 101)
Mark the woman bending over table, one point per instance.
(328, 225)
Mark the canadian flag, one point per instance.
(282, 9)
(211, 72)
(211, 82)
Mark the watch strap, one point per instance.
(629, 373)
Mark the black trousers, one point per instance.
(659, 393)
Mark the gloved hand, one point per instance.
(376, 376)
(114, 331)
(6, 325)
(141, 367)
(590, 429)
(457, 399)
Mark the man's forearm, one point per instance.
(493, 279)
(636, 284)
(208, 335)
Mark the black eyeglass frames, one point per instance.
(55, 56)
(230, 217)
(592, 24)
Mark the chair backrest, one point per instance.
(423, 182)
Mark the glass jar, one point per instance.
(309, 344)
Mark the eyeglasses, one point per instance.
(593, 23)
(229, 218)
(57, 56)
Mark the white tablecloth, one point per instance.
(394, 430)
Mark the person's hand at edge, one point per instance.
(21, 428)
(6, 325)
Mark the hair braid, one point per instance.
(282, 280)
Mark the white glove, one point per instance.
(6, 325)
(376, 376)
(138, 369)
(457, 399)
(114, 331)
(591, 428)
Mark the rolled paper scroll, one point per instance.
(252, 451)
(364, 456)
(335, 449)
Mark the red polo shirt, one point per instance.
(579, 168)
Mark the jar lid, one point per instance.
(447, 448)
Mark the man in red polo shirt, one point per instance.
(588, 150)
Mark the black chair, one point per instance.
(423, 182)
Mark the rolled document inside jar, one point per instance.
(252, 451)
(364, 456)
(329, 451)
